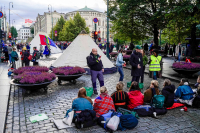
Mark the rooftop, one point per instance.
(85, 9)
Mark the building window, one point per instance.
(22, 37)
(22, 33)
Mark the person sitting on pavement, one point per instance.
(136, 98)
(184, 91)
(82, 102)
(120, 97)
(103, 103)
(148, 94)
(198, 82)
(168, 92)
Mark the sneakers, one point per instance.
(95, 92)
(154, 115)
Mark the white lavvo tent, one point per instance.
(36, 43)
(79, 49)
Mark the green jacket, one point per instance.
(13, 54)
(145, 60)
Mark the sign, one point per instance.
(95, 20)
(55, 34)
(9, 33)
(1, 14)
(55, 31)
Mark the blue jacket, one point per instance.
(119, 61)
(80, 104)
(184, 92)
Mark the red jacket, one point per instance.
(136, 98)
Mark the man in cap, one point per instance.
(137, 63)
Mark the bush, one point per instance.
(68, 70)
(188, 66)
(30, 68)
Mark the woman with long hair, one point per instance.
(82, 102)
(148, 94)
(136, 98)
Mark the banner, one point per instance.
(28, 21)
(44, 40)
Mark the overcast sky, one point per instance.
(29, 9)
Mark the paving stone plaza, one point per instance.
(59, 98)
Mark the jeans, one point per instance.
(135, 78)
(9, 58)
(94, 76)
(120, 70)
(13, 65)
(154, 76)
(179, 57)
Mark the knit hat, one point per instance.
(138, 47)
(24, 48)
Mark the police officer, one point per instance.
(155, 64)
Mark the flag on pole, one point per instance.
(44, 40)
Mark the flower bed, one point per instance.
(34, 77)
(126, 56)
(188, 66)
(68, 70)
(30, 68)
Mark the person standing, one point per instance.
(46, 51)
(178, 52)
(174, 47)
(25, 54)
(41, 50)
(14, 57)
(35, 56)
(9, 52)
(145, 61)
(155, 64)
(27, 47)
(5, 51)
(96, 69)
(145, 47)
(136, 62)
(120, 62)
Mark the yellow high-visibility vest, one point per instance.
(155, 63)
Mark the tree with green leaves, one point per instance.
(58, 27)
(32, 30)
(72, 28)
(14, 32)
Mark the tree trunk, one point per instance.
(193, 39)
(155, 32)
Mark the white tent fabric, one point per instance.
(36, 43)
(79, 49)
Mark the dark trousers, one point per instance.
(13, 65)
(35, 63)
(135, 78)
(25, 63)
(142, 77)
(94, 76)
(120, 70)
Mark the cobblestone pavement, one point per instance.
(58, 99)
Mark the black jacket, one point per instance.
(136, 58)
(94, 63)
(146, 46)
(25, 56)
(168, 92)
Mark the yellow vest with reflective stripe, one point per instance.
(155, 63)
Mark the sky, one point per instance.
(29, 9)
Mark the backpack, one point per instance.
(128, 121)
(37, 56)
(144, 110)
(157, 100)
(196, 102)
(87, 118)
(103, 119)
(88, 58)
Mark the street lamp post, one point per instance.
(51, 19)
(9, 13)
(107, 45)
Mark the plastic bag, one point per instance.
(68, 120)
(38, 118)
(113, 123)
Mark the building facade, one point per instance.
(44, 22)
(24, 33)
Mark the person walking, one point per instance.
(155, 64)
(14, 57)
(174, 49)
(119, 63)
(145, 61)
(35, 56)
(136, 62)
(96, 69)
(9, 52)
(178, 52)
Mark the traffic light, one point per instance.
(95, 34)
(99, 39)
(2, 34)
(92, 34)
